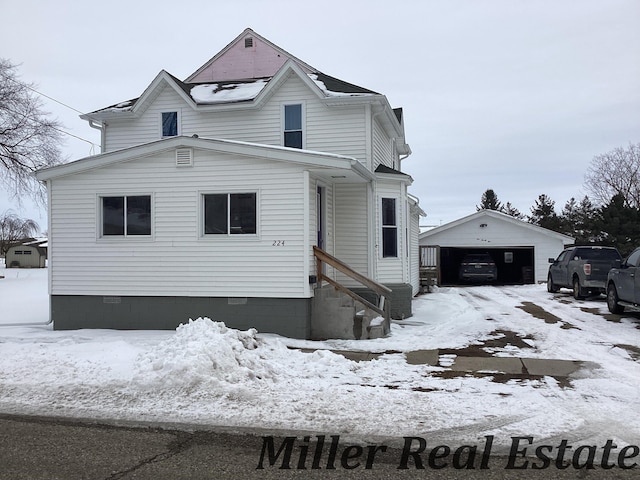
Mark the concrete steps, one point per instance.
(335, 314)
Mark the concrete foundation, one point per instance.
(290, 317)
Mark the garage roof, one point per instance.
(483, 214)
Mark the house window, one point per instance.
(389, 228)
(26, 252)
(293, 126)
(169, 124)
(126, 215)
(230, 213)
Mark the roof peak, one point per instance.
(249, 55)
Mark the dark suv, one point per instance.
(478, 267)
(623, 284)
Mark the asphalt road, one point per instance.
(45, 448)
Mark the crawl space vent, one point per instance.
(184, 157)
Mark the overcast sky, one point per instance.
(513, 95)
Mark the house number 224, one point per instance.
(278, 243)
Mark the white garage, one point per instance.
(519, 249)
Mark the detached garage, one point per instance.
(519, 249)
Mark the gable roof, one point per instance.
(252, 86)
(214, 84)
(339, 167)
(262, 59)
(232, 91)
(501, 217)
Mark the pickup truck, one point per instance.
(623, 284)
(584, 269)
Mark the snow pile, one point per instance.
(205, 352)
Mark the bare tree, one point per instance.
(28, 139)
(615, 173)
(13, 229)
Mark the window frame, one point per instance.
(302, 130)
(178, 121)
(117, 237)
(387, 227)
(228, 234)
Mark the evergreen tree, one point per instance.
(512, 211)
(577, 220)
(543, 214)
(619, 225)
(489, 201)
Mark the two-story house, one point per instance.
(230, 195)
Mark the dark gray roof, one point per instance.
(335, 85)
(331, 83)
(384, 169)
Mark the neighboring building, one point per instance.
(29, 254)
(211, 194)
(519, 249)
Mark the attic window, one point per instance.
(248, 42)
(184, 157)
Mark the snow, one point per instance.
(233, 92)
(206, 374)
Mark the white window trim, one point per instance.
(179, 120)
(123, 238)
(218, 237)
(397, 227)
(304, 121)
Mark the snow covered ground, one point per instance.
(209, 375)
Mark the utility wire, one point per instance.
(57, 101)
(54, 128)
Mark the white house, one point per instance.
(519, 249)
(217, 195)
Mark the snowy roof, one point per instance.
(213, 93)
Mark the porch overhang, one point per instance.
(352, 172)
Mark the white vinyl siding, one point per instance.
(414, 250)
(351, 229)
(382, 148)
(178, 261)
(391, 269)
(340, 130)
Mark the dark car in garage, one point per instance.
(478, 267)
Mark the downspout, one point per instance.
(102, 126)
(373, 207)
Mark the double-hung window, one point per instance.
(230, 213)
(293, 125)
(126, 215)
(169, 124)
(389, 228)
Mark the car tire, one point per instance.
(551, 287)
(578, 293)
(612, 300)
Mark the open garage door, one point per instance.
(515, 264)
